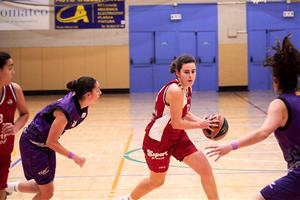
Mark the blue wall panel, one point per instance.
(207, 78)
(142, 47)
(266, 24)
(152, 24)
(161, 75)
(200, 17)
(141, 79)
(269, 16)
(165, 47)
(186, 43)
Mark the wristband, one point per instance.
(71, 155)
(234, 145)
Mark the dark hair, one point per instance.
(82, 85)
(181, 60)
(3, 59)
(285, 64)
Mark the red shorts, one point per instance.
(158, 153)
(4, 168)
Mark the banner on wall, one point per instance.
(18, 15)
(84, 14)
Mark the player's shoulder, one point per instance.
(174, 87)
(277, 105)
(16, 86)
(175, 90)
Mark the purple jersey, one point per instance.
(289, 136)
(38, 129)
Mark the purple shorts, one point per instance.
(287, 187)
(38, 162)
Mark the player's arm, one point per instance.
(55, 132)
(276, 118)
(22, 109)
(192, 117)
(174, 98)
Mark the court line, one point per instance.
(127, 156)
(250, 103)
(12, 165)
(169, 174)
(119, 170)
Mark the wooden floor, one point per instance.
(111, 140)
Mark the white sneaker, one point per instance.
(125, 197)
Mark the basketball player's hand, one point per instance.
(8, 129)
(79, 160)
(218, 150)
(209, 123)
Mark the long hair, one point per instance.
(285, 64)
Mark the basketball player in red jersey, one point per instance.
(11, 98)
(165, 135)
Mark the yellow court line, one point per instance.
(14, 153)
(120, 167)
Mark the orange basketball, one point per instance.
(218, 132)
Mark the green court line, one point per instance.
(128, 157)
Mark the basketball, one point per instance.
(218, 132)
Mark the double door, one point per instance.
(152, 52)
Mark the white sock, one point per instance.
(12, 187)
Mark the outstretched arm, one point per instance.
(55, 132)
(276, 117)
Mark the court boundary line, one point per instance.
(119, 170)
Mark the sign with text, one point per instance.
(15, 16)
(84, 14)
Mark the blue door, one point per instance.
(187, 45)
(258, 76)
(207, 72)
(141, 61)
(165, 51)
(141, 47)
(165, 47)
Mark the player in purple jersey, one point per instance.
(282, 118)
(39, 141)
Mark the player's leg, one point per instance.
(198, 162)
(259, 196)
(150, 183)
(4, 169)
(25, 186)
(45, 192)
(187, 152)
(2, 195)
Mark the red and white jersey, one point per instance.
(160, 122)
(8, 106)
